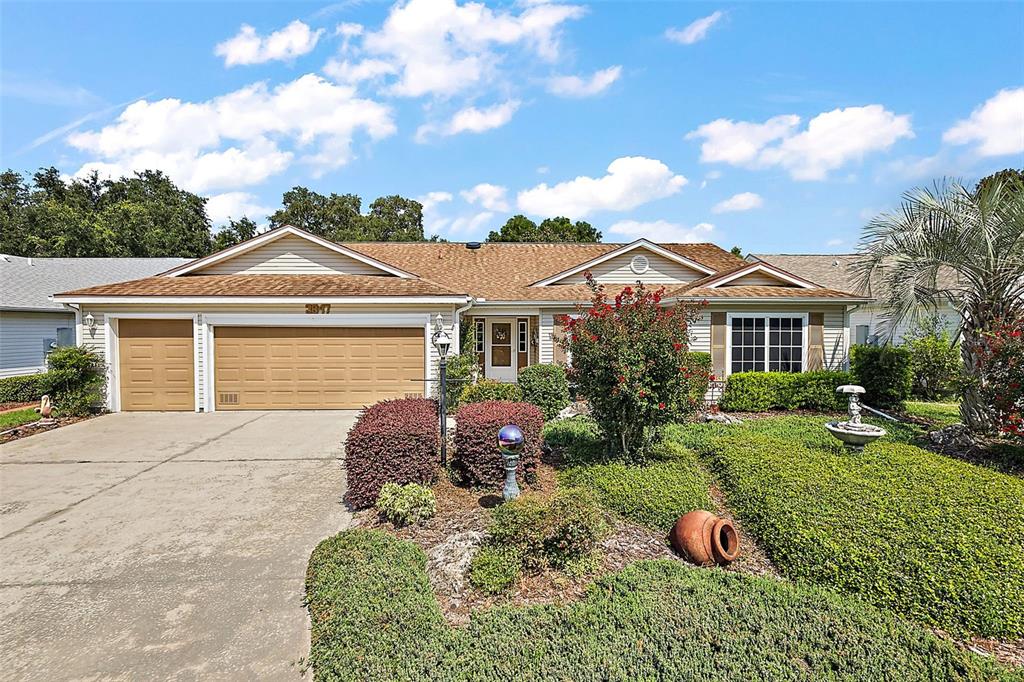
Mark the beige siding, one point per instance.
(291, 255)
(700, 334)
(762, 279)
(617, 271)
(835, 339)
(874, 318)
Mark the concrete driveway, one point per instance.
(165, 545)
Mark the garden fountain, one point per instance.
(852, 432)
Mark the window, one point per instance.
(862, 334)
(478, 335)
(772, 344)
(65, 336)
(523, 336)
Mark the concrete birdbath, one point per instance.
(852, 432)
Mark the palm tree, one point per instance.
(957, 245)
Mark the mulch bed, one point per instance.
(31, 429)
(11, 407)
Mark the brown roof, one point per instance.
(505, 271)
(836, 271)
(754, 291)
(269, 285)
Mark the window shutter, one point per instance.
(815, 341)
(718, 332)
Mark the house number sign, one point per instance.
(318, 308)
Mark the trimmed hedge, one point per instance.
(885, 372)
(394, 441)
(477, 456)
(763, 391)
(24, 389)
(489, 389)
(375, 617)
(546, 387)
(936, 539)
(577, 440)
(655, 495)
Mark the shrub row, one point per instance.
(477, 458)
(24, 389)
(489, 389)
(938, 540)
(75, 381)
(395, 441)
(762, 391)
(375, 617)
(885, 372)
(576, 440)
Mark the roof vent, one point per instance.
(473, 245)
(640, 264)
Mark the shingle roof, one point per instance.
(829, 270)
(27, 283)
(269, 285)
(756, 291)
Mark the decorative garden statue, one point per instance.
(854, 434)
(510, 442)
(45, 410)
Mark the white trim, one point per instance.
(112, 350)
(728, 337)
(274, 235)
(724, 300)
(258, 300)
(639, 243)
(763, 267)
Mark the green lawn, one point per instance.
(942, 414)
(374, 617)
(8, 420)
(938, 540)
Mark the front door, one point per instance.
(500, 358)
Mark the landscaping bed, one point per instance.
(23, 423)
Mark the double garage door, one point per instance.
(270, 368)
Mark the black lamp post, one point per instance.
(442, 342)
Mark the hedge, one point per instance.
(375, 617)
(576, 440)
(885, 372)
(763, 391)
(24, 389)
(936, 539)
(395, 441)
(655, 495)
(477, 456)
(489, 389)
(546, 387)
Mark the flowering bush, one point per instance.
(1001, 364)
(631, 361)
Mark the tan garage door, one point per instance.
(156, 365)
(295, 368)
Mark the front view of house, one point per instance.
(288, 320)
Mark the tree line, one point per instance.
(147, 215)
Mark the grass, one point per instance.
(374, 617)
(941, 414)
(8, 420)
(938, 540)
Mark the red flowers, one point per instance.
(661, 406)
(677, 345)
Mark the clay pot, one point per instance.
(705, 539)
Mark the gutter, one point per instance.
(470, 301)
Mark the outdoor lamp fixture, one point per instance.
(442, 342)
(510, 442)
(89, 321)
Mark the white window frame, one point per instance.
(523, 336)
(766, 316)
(479, 334)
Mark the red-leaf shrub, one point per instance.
(477, 456)
(1001, 366)
(394, 441)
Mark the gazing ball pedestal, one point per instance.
(852, 432)
(510, 443)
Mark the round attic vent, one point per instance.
(639, 264)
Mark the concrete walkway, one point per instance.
(166, 546)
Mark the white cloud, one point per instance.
(997, 126)
(238, 139)
(630, 182)
(696, 31)
(236, 205)
(575, 86)
(491, 197)
(470, 120)
(248, 47)
(834, 242)
(662, 231)
(344, 71)
(470, 225)
(830, 140)
(433, 221)
(543, 170)
(441, 48)
(744, 201)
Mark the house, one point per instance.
(31, 323)
(868, 321)
(288, 320)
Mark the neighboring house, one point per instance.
(288, 320)
(31, 323)
(868, 321)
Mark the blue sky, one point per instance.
(775, 127)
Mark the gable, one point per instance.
(621, 270)
(758, 278)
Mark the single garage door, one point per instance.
(296, 368)
(156, 365)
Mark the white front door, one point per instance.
(499, 349)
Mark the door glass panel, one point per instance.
(501, 344)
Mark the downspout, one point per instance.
(470, 301)
(79, 332)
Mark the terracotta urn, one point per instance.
(705, 539)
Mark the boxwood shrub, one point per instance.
(477, 458)
(885, 372)
(489, 389)
(763, 391)
(375, 617)
(546, 387)
(24, 389)
(394, 441)
(936, 539)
